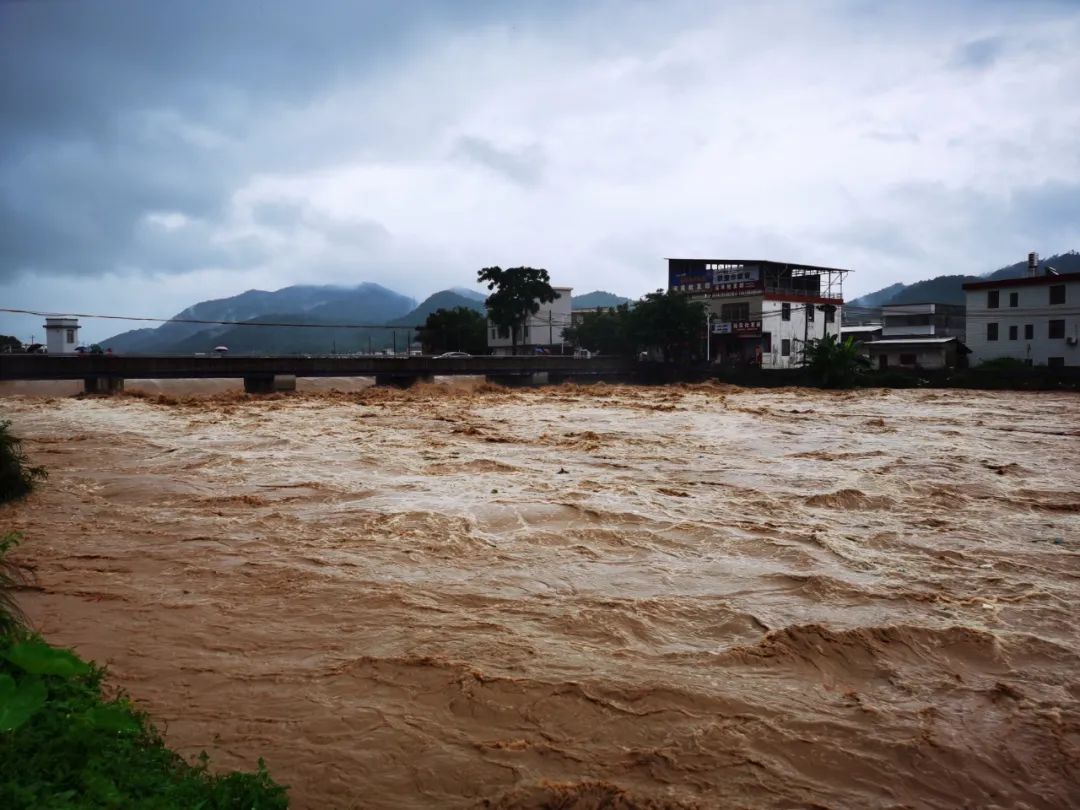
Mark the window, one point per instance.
(504, 332)
(785, 312)
(735, 312)
(830, 315)
(1057, 294)
(1056, 329)
(992, 299)
(1014, 299)
(810, 312)
(1055, 362)
(785, 348)
(991, 331)
(70, 335)
(908, 360)
(1029, 331)
(1014, 332)
(766, 342)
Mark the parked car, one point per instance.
(221, 351)
(452, 356)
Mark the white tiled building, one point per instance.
(542, 331)
(1035, 319)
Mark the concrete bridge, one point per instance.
(104, 373)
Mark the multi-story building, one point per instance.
(919, 336)
(542, 331)
(922, 321)
(761, 312)
(1035, 319)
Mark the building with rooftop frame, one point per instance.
(761, 312)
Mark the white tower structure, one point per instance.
(61, 335)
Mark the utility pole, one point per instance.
(394, 333)
(708, 337)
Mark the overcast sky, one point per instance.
(156, 154)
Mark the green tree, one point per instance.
(10, 344)
(606, 331)
(454, 330)
(834, 363)
(668, 321)
(17, 476)
(518, 293)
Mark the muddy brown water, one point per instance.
(606, 597)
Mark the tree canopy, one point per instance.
(454, 330)
(665, 321)
(8, 343)
(518, 293)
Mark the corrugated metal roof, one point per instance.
(912, 341)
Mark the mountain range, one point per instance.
(335, 319)
(949, 289)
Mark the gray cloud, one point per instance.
(201, 149)
(979, 54)
(524, 166)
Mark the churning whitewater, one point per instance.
(463, 596)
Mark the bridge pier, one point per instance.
(103, 385)
(401, 380)
(517, 380)
(269, 383)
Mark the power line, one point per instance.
(209, 322)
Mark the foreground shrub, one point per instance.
(17, 477)
(11, 577)
(63, 745)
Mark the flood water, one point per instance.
(579, 597)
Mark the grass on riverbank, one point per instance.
(64, 744)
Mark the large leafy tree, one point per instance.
(454, 330)
(671, 322)
(518, 293)
(834, 363)
(606, 331)
(9, 343)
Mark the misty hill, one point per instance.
(467, 293)
(366, 303)
(599, 298)
(447, 299)
(949, 289)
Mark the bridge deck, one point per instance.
(153, 367)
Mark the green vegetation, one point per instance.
(1003, 364)
(64, 745)
(17, 477)
(519, 292)
(460, 329)
(834, 363)
(666, 321)
(9, 343)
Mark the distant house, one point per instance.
(1035, 319)
(542, 332)
(863, 333)
(916, 353)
